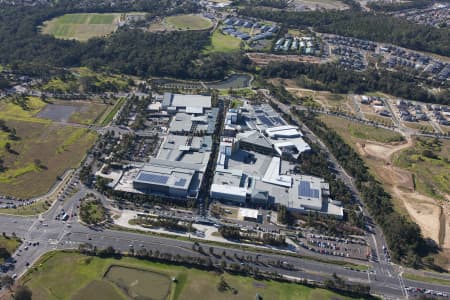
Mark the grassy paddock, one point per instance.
(57, 149)
(350, 129)
(223, 43)
(60, 275)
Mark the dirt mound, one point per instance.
(381, 151)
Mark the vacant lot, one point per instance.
(41, 152)
(223, 43)
(56, 148)
(60, 275)
(135, 282)
(81, 26)
(360, 131)
(80, 112)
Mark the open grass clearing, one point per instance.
(81, 26)
(365, 132)
(62, 275)
(223, 43)
(135, 282)
(11, 110)
(102, 289)
(429, 161)
(379, 119)
(422, 126)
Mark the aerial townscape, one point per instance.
(224, 149)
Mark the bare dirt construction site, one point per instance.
(430, 214)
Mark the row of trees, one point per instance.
(235, 233)
(404, 237)
(363, 25)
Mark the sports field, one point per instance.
(60, 275)
(81, 26)
(182, 22)
(41, 150)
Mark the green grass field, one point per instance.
(223, 43)
(81, 26)
(348, 129)
(60, 275)
(56, 147)
(429, 161)
(188, 22)
(102, 289)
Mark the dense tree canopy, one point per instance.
(129, 51)
(333, 78)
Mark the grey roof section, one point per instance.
(171, 164)
(167, 99)
(179, 100)
(255, 138)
